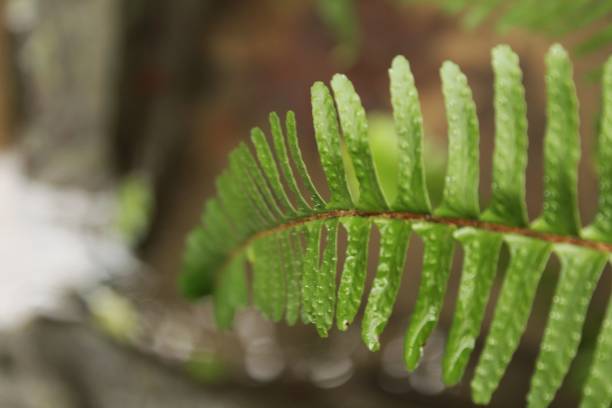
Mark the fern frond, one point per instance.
(269, 213)
(549, 17)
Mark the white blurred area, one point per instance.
(52, 241)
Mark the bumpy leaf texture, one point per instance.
(269, 214)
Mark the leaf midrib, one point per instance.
(409, 216)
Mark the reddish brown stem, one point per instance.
(457, 222)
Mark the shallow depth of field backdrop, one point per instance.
(115, 118)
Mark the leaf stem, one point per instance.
(408, 216)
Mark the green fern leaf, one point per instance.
(326, 281)
(460, 197)
(561, 148)
(311, 269)
(355, 132)
(353, 277)
(437, 259)
(231, 293)
(528, 258)
(280, 149)
(598, 389)
(479, 266)
(330, 146)
(601, 229)
(412, 188)
(296, 156)
(580, 272)
(273, 216)
(394, 235)
(293, 251)
(510, 155)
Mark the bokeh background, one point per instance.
(115, 118)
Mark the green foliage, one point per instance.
(383, 143)
(262, 214)
(510, 156)
(341, 18)
(353, 277)
(135, 201)
(597, 391)
(438, 240)
(479, 267)
(460, 197)
(394, 235)
(580, 272)
(412, 190)
(528, 258)
(561, 148)
(553, 18)
(207, 368)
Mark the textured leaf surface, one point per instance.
(261, 278)
(329, 145)
(230, 189)
(460, 197)
(259, 210)
(437, 259)
(528, 258)
(394, 235)
(276, 284)
(280, 149)
(325, 298)
(412, 189)
(510, 156)
(268, 211)
(252, 171)
(580, 271)
(311, 269)
(598, 387)
(481, 251)
(355, 131)
(354, 272)
(601, 229)
(292, 252)
(561, 148)
(296, 156)
(270, 170)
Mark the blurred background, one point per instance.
(115, 118)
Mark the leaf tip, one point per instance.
(319, 90)
(340, 79)
(370, 338)
(343, 324)
(273, 118)
(449, 70)
(557, 51)
(257, 135)
(400, 63)
(479, 396)
(412, 357)
(503, 54)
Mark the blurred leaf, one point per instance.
(135, 198)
